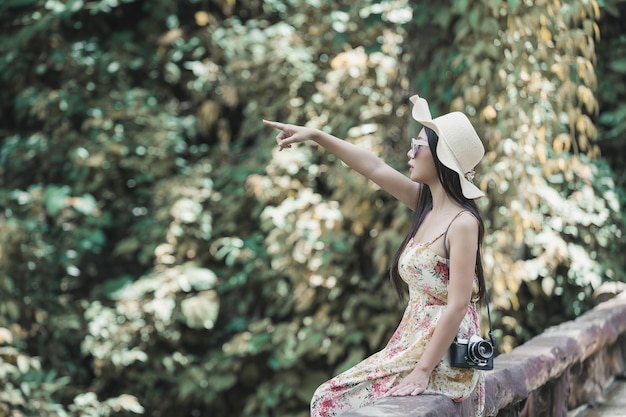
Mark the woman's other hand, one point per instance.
(413, 384)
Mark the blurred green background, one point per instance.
(159, 257)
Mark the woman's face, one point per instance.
(421, 163)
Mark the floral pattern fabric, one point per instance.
(426, 274)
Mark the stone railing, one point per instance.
(563, 370)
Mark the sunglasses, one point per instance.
(416, 146)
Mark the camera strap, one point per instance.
(493, 341)
(445, 248)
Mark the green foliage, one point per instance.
(611, 89)
(554, 214)
(27, 389)
(158, 255)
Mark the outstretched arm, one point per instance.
(362, 161)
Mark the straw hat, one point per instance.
(459, 147)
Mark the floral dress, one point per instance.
(426, 274)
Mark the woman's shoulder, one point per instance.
(464, 222)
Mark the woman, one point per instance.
(439, 261)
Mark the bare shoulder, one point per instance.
(465, 223)
(464, 228)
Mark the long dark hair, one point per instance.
(452, 186)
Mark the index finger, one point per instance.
(277, 125)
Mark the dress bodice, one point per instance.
(427, 273)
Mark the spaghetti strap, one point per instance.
(434, 240)
(445, 234)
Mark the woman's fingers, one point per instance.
(284, 134)
(402, 390)
(276, 125)
(281, 138)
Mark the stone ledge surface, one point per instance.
(421, 405)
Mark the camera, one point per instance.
(473, 353)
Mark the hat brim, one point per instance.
(447, 158)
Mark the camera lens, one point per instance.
(479, 351)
